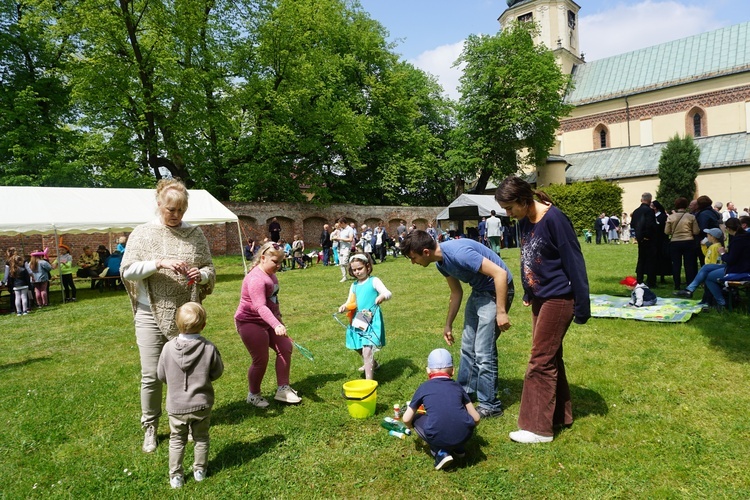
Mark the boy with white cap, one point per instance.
(450, 417)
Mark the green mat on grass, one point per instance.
(665, 311)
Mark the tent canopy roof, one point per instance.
(471, 207)
(44, 210)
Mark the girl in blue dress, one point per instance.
(366, 330)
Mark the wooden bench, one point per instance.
(739, 286)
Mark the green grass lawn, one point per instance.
(660, 409)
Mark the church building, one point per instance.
(627, 107)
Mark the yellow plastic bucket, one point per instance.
(361, 397)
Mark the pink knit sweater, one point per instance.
(258, 299)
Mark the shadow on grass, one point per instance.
(587, 402)
(237, 454)
(473, 447)
(25, 362)
(396, 368)
(308, 386)
(237, 411)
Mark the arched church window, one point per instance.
(601, 137)
(695, 123)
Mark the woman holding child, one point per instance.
(557, 289)
(167, 263)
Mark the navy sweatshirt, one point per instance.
(552, 263)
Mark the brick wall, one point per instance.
(295, 218)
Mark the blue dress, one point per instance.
(375, 334)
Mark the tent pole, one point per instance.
(242, 248)
(59, 269)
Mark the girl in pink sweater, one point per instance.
(258, 320)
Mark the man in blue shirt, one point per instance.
(485, 314)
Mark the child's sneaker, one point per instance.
(257, 400)
(286, 394)
(176, 482)
(442, 459)
(375, 366)
(199, 475)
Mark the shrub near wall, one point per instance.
(584, 201)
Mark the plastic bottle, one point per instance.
(395, 425)
(397, 434)
(396, 411)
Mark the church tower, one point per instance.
(558, 24)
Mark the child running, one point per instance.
(188, 364)
(367, 293)
(450, 418)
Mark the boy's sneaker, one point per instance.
(442, 459)
(459, 452)
(149, 441)
(176, 482)
(257, 400)
(286, 394)
(199, 475)
(489, 413)
(528, 437)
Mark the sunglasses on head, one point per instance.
(275, 246)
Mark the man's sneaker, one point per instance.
(257, 400)
(684, 293)
(199, 475)
(375, 366)
(149, 441)
(442, 459)
(176, 482)
(286, 394)
(489, 413)
(527, 437)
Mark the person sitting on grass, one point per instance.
(188, 364)
(640, 294)
(450, 417)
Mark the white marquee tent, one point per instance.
(471, 207)
(50, 210)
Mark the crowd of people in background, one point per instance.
(684, 238)
(27, 278)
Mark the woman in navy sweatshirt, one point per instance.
(556, 287)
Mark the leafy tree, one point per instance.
(582, 202)
(678, 168)
(511, 101)
(36, 148)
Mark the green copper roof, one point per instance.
(731, 150)
(715, 53)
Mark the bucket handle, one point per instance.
(351, 398)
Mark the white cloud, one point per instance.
(439, 63)
(621, 29)
(630, 27)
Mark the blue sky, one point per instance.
(430, 33)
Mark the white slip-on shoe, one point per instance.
(526, 437)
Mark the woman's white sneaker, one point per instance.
(527, 437)
(286, 394)
(257, 400)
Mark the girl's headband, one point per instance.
(360, 256)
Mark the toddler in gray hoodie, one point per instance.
(188, 364)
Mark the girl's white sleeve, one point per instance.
(380, 288)
(140, 270)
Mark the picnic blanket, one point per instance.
(665, 311)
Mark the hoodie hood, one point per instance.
(187, 353)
